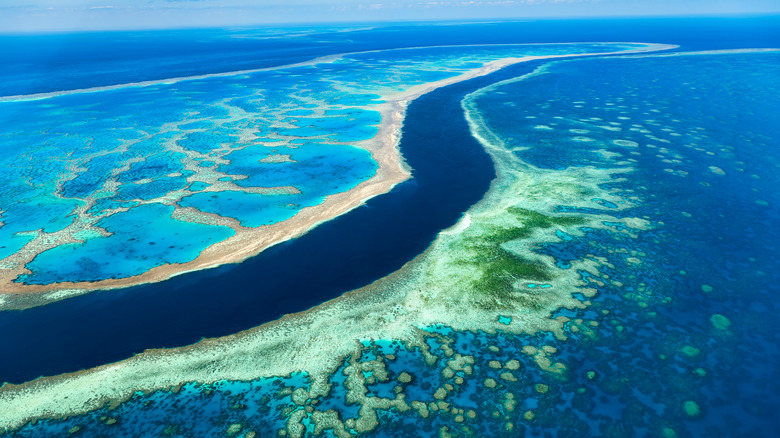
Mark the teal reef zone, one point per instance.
(572, 305)
(617, 279)
(219, 158)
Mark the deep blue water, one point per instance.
(641, 375)
(201, 144)
(349, 252)
(55, 62)
(701, 130)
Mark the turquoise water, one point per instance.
(251, 209)
(98, 154)
(651, 346)
(685, 311)
(132, 248)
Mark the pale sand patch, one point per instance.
(247, 242)
(459, 227)
(278, 158)
(714, 52)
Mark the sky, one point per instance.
(70, 15)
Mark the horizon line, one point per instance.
(347, 23)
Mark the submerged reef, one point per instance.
(577, 298)
(493, 242)
(222, 166)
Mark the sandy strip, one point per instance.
(710, 52)
(250, 241)
(318, 60)
(169, 81)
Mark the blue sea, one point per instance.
(680, 338)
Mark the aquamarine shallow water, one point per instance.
(132, 248)
(675, 121)
(104, 157)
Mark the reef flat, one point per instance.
(435, 288)
(210, 165)
(616, 280)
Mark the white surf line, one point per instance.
(319, 60)
(169, 81)
(706, 52)
(647, 46)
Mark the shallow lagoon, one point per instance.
(127, 251)
(679, 340)
(114, 151)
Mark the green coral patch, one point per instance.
(501, 268)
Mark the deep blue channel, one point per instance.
(451, 172)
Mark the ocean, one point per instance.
(664, 210)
